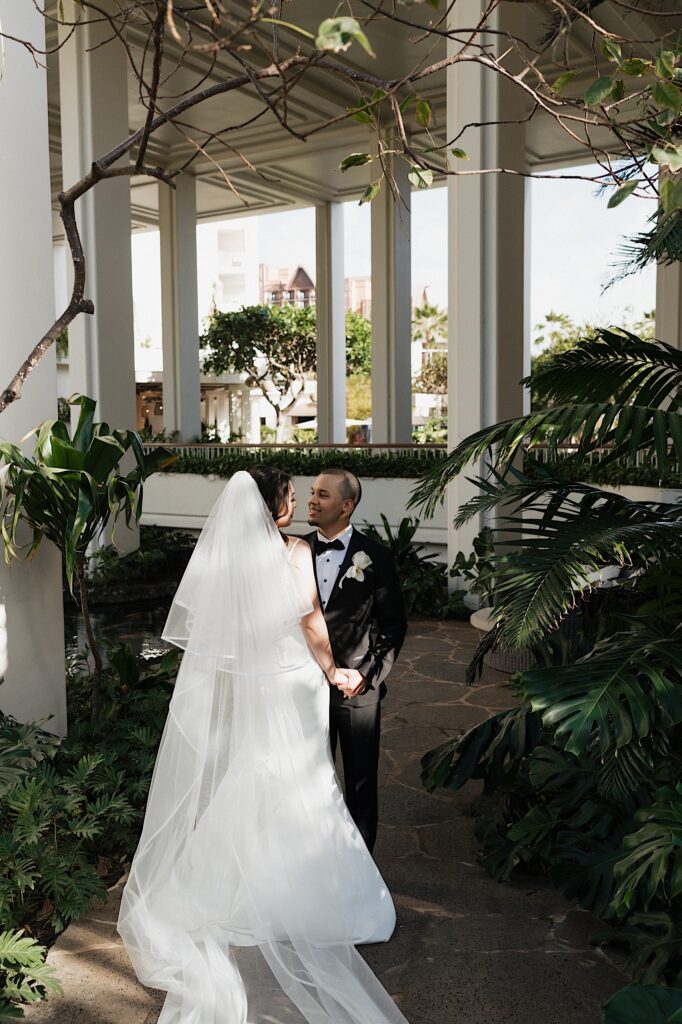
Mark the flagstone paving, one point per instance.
(466, 950)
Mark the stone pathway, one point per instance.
(467, 950)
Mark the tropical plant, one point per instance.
(424, 581)
(25, 978)
(478, 568)
(68, 492)
(558, 333)
(581, 779)
(644, 1004)
(430, 325)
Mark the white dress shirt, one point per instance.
(328, 563)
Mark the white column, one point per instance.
(669, 304)
(392, 313)
(93, 89)
(331, 325)
(180, 307)
(31, 610)
(486, 257)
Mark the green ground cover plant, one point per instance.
(71, 810)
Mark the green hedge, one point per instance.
(614, 474)
(387, 465)
(308, 463)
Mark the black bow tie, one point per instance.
(332, 545)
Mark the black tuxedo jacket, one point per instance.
(365, 618)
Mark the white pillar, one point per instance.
(31, 610)
(93, 88)
(180, 307)
(93, 92)
(331, 325)
(669, 304)
(486, 256)
(392, 313)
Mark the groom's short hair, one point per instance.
(349, 485)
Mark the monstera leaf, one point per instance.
(652, 861)
(623, 690)
(644, 1004)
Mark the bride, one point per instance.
(251, 885)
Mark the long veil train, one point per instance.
(250, 887)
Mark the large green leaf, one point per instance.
(84, 428)
(490, 751)
(652, 860)
(102, 456)
(620, 691)
(613, 390)
(582, 868)
(644, 1004)
(555, 541)
(64, 455)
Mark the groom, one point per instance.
(363, 607)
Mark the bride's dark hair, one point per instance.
(273, 485)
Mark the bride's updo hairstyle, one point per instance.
(273, 485)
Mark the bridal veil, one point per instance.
(239, 903)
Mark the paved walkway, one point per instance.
(467, 950)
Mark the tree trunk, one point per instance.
(97, 657)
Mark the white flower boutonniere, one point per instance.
(356, 571)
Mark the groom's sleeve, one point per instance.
(389, 626)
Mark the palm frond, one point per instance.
(614, 390)
(646, 373)
(551, 550)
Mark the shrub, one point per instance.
(308, 463)
(24, 975)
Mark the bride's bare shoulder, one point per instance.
(299, 552)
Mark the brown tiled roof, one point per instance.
(300, 281)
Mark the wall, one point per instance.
(191, 496)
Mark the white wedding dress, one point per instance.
(251, 884)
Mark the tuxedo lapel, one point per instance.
(353, 546)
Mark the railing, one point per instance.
(642, 458)
(264, 451)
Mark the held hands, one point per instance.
(349, 681)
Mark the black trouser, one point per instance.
(358, 730)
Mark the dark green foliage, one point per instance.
(161, 552)
(71, 810)
(303, 462)
(478, 568)
(644, 1004)
(424, 582)
(592, 583)
(72, 486)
